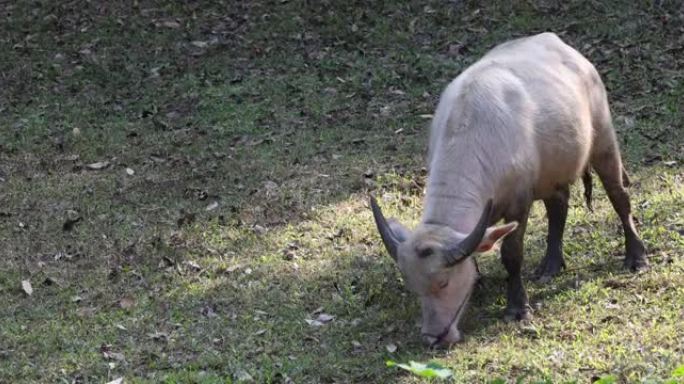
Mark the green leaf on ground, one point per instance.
(430, 370)
(679, 372)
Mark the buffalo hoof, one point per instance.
(636, 264)
(635, 259)
(549, 268)
(518, 314)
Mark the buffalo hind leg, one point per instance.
(557, 212)
(608, 166)
(518, 307)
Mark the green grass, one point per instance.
(289, 115)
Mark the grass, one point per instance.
(287, 114)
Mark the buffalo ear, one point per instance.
(493, 234)
(400, 231)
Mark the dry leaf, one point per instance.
(117, 381)
(85, 311)
(208, 311)
(127, 303)
(270, 185)
(171, 24)
(193, 265)
(130, 172)
(200, 44)
(26, 286)
(97, 166)
(322, 319)
(242, 376)
(258, 229)
(212, 206)
(391, 347)
(109, 355)
(158, 335)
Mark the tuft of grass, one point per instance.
(242, 140)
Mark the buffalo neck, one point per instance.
(456, 196)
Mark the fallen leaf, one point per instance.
(98, 165)
(200, 44)
(116, 381)
(193, 265)
(321, 320)
(158, 335)
(26, 286)
(208, 311)
(127, 303)
(212, 206)
(678, 372)
(259, 332)
(391, 347)
(259, 230)
(85, 311)
(430, 370)
(171, 24)
(109, 355)
(130, 172)
(242, 376)
(270, 185)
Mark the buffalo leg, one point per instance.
(609, 168)
(557, 212)
(518, 307)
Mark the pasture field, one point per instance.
(183, 192)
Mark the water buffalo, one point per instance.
(519, 125)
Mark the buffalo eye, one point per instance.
(425, 252)
(443, 284)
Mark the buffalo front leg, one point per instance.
(557, 213)
(609, 168)
(518, 307)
